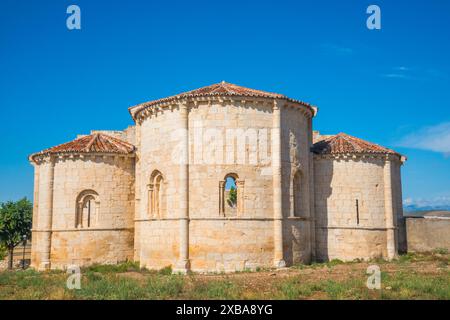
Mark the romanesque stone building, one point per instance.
(221, 178)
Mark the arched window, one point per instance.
(231, 191)
(87, 208)
(156, 195)
(297, 192)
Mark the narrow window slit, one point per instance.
(357, 212)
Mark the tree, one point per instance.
(232, 197)
(15, 224)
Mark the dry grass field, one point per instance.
(411, 276)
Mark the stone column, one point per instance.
(277, 198)
(46, 212)
(151, 202)
(221, 198)
(183, 264)
(35, 221)
(389, 211)
(35, 195)
(139, 213)
(240, 197)
(312, 207)
(79, 215)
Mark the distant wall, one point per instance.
(427, 234)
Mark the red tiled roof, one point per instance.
(343, 144)
(96, 143)
(219, 89)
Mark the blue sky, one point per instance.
(389, 86)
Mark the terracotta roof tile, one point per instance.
(94, 143)
(219, 89)
(344, 144)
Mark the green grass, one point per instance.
(30, 284)
(324, 289)
(118, 287)
(400, 286)
(294, 289)
(128, 281)
(215, 289)
(411, 285)
(438, 255)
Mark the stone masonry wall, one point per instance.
(230, 245)
(236, 140)
(239, 127)
(338, 184)
(295, 156)
(109, 238)
(158, 242)
(87, 247)
(222, 139)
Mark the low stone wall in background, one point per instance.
(17, 263)
(427, 234)
(18, 257)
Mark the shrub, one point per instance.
(166, 271)
(408, 257)
(232, 197)
(335, 262)
(108, 268)
(440, 251)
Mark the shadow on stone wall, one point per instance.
(402, 235)
(322, 196)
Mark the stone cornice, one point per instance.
(360, 156)
(83, 230)
(53, 157)
(368, 228)
(239, 101)
(218, 219)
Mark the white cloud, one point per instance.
(433, 138)
(436, 202)
(414, 73)
(400, 72)
(408, 201)
(337, 49)
(395, 75)
(402, 68)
